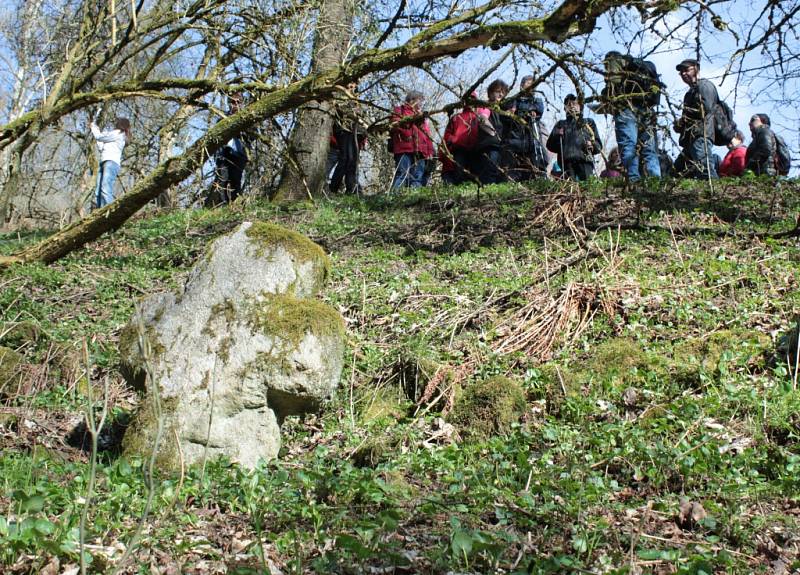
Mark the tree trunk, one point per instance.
(304, 174)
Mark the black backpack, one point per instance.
(646, 76)
(783, 159)
(724, 126)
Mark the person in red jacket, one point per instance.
(411, 143)
(733, 164)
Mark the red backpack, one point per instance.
(462, 130)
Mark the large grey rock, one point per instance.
(240, 347)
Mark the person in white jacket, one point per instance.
(109, 145)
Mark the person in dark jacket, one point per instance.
(412, 145)
(760, 156)
(492, 129)
(696, 124)
(350, 137)
(230, 162)
(631, 97)
(575, 140)
(733, 164)
(526, 153)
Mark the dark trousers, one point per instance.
(347, 163)
(699, 157)
(464, 168)
(579, 170)
(227, 177)
(490, 166)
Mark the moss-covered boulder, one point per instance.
(11, 364)
(489, 407)
(240, 347)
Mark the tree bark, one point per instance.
(304, 174)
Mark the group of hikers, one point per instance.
(506, 141)
(503, 139)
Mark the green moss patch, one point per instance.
(302, 249)
(715, 353)
(11, 364)
(489, 407)
(384, 405)
(140, 437)
(290, 319)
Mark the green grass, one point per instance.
(671, 393)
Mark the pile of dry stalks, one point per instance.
(534, 329)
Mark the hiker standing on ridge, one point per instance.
(528, 157)
(230, 162)
(349, 137)
(109, 145)
(631, 95)
(411, 144)
(696, 124)
(493, 126)
(576, 141)
(760, 157)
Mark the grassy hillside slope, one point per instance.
(547, 380)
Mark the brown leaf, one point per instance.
(51, 568)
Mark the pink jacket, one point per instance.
(413, 138)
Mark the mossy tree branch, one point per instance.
(573, 17)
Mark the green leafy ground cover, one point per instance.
(653, 431)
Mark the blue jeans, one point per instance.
(635, 129)
(409, 171)
(104, 192)
(700, 155)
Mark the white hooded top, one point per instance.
(109, 143)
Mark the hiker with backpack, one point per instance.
(527, 156)
(733, 164)
(631, 95)
(760, 156)
(411, 142)
(576, 141)
(457, 148)
(492, 130)
(696, 125)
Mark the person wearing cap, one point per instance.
(760, 156)
(631, 95)
(527, 156)
(411, 142)
(696, 124)
(575, 140)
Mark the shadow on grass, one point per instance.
(455, 220)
